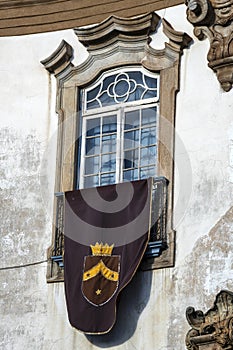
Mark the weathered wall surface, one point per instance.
(152, 309)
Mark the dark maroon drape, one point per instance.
(94, 277)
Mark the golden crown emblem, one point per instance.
(101, 249)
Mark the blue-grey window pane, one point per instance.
(130, 175)
(108, 81)
(137, 94)
(129, 144)
(147, 172)
(92, 146)
(148, 155)
(150, 82)
(107, 179)
(149, 116)
(106, 100)
(131, 136)
(131, 120)
(122, 87)
(148, 136)
(91, 181)
(131, 159)
(109, 124)
(137, 76)
(93, 127)
(108, 162)
(93, 104)
(150, 94)
(93, 93)
(91, 165)
(109, 143)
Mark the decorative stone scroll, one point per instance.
(214, 329)
(214, 19)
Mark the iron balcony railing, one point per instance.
(158, 232)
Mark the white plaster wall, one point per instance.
(152, 309)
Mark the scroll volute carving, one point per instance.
(214, 329)
(214, 19)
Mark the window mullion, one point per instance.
(101, 149)
(139, 141)
(119, 145)
(82, 161)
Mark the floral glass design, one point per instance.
(121, 87)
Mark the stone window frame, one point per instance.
(113, 43)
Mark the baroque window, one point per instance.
(116, 121)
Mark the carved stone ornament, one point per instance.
(214, 19)
(214, 329)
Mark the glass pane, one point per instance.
(131, 159)
(109, 143)
(93, 104)
(121, 87)
(93, 127)
(131, 120)
(147, 172)
(109, 124)
(137, 94)
(108, 81)
(148, 136)
(108, 162)
(107, 179)
(137, 76)
(91, 181)
(150, 82)
(105, 100)
(92, 146)
(149, 94)
(130, 175)
(149, 116)
(131, 136)
(93, 93)
(148, 155)
(92, 165)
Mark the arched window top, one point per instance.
(122, 86)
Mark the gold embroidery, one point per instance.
(109, 274)
(92, 272)
(105, 271)
(98, 291)
(101, 249)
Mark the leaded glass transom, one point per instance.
(122, 87)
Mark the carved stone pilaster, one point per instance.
(214, 329)
(214, 19)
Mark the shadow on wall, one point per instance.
(132, 301)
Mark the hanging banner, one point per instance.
(106, 234)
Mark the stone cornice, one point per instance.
(60, 60)
(6, 4)
(31, 16)
(118, 28)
